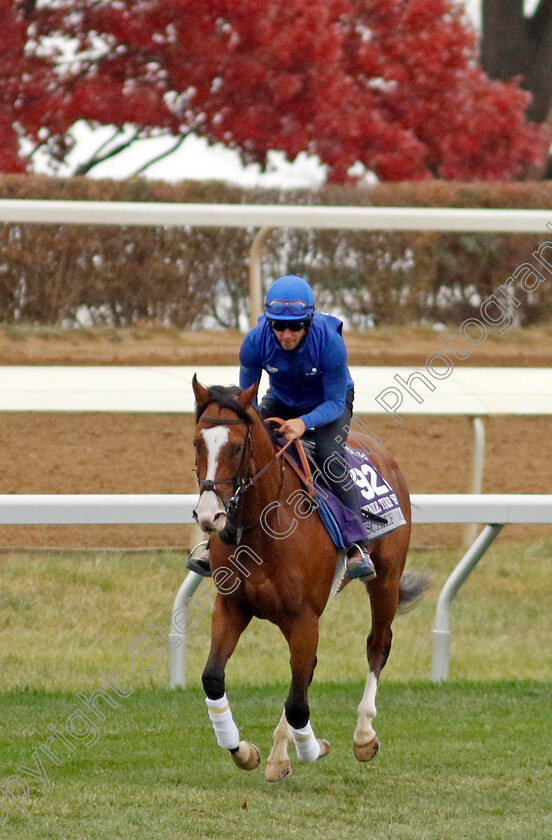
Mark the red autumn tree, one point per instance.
(28, 89)
(418, 60)
(389, 84)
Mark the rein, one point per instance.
(306, 475)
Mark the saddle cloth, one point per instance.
(381, 511)
(379, 504)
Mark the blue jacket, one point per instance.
(313, 378)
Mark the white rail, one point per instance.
(176, 509)
(97, 509)
(472, 391)
(266, 215)
(495, 511)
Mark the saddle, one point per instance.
(375, 494)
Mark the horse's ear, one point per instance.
(246, 397)
(201, 393)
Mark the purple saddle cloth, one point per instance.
(378, 502)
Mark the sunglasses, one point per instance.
(294, 307)
(280, 326)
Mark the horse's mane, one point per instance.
(225, 397)
(278, 440)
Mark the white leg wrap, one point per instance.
(306, 745)
(228, 735)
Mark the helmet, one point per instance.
(290, 298)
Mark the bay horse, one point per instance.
(271, 557)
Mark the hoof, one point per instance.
(247, 756)
(278, 771)
(324, 747)
(365, 752)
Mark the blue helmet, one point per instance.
(290, 298)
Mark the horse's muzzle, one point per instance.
(210, 513)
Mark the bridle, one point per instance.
(241, 483)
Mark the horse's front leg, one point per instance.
(228, 623)
(278, 765)
(295, 724)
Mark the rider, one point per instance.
(310, 389)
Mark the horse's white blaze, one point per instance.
(364, 732)
(209, 504)
(215, 439)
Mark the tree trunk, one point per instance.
(504, 51)
(515, 45)
(538, 79)
(29, 8)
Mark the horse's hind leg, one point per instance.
(227, 626)
(365, 740)
(384, 594)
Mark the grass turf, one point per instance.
(65, 618)
(466, 759)
(459, 760)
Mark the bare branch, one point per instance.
(161, 156)
(106, 143)
(35, 149)
(85, 168)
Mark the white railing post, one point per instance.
(441, 633)
(180, 629)
(477, 467)
(255, 275)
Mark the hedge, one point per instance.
(62, 274)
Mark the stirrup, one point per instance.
(359, 567)
(200, 565)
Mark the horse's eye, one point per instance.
(235, 448)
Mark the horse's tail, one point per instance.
(413, 585)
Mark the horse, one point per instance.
(272, 558)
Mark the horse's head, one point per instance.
(222, 442)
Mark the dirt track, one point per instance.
(98, 453)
